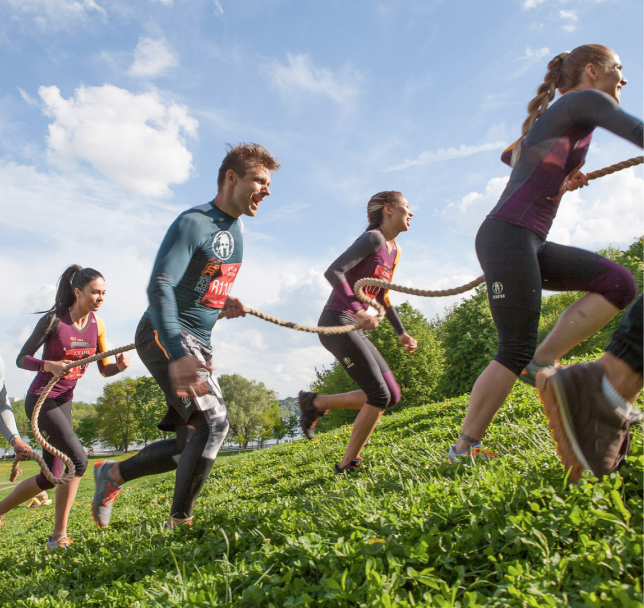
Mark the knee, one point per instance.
(515, 356)
(380, 398)
(394, 390)
(43, 483)
(80, 463)
(618, 285)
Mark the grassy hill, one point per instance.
(277, 528)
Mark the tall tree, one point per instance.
(247, 402)
(150, 407)
(115, 414)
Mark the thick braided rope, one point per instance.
(358, 289)
(625, 164)
(71, 470)
(326, 331)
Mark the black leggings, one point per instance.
(188, 453)
(194, 449)
(55, 424)
(518, 264)
(626, 342)
(361, 360)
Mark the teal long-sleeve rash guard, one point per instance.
(193, 274)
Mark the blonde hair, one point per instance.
(377, 203)
(564, 73)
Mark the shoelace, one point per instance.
(110, 494)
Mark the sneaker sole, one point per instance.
(97, 465)
(555, 407)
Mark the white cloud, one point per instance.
(528, 4)
(301, 76)
(535, 55)
(28, 99)
(470, 211)
(166, 2)
(425, 158)
(571, 18)
(152, 58)
(136, 140)
(609, 211)
(219, 9)
(55, 14)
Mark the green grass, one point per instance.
(276, 528)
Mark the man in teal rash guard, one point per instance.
(189, 290)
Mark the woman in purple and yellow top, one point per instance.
(69, 331)
(511, 243)
(374, 254)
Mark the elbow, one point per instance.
(329, 275)
(20, 361)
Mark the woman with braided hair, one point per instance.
(374, 254)
(511, 243)
(69, 331)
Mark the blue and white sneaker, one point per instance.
(472, 453)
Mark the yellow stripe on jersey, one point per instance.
(385, 296)
(101, 343)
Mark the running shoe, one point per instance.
(352, 467)
(309, 416)
(589, 432)
(529, 374)
(176, 522)
(105, 494)
(472, 453)
(62, 542)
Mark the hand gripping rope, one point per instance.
(71, 470)
(342, 329)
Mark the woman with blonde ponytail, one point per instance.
(511, 243)
(374, 254)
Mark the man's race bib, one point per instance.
(220, 286)
(76, 354)
(380, 273)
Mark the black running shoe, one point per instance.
(309, 416)
(352, 467)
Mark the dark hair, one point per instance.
(376, 204)
(75, 277)
(242, 157)
(564, 73)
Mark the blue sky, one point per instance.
(114, 117)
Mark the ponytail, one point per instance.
(564, 73)
(74, 277)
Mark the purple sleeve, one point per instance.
(26, 359)
(365, 245)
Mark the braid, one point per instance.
(545, 94)
(376, 204)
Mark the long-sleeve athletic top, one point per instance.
(554, 148)
(67, 342)
(193, 274)
(367, 257)
(8, 428)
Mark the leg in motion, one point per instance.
(210, 430)
(611, 288)
(590, 406)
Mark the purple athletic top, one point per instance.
(554, 148)
(68, 342)
(367, 257)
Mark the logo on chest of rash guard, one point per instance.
(223, 245)
(497, 290)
